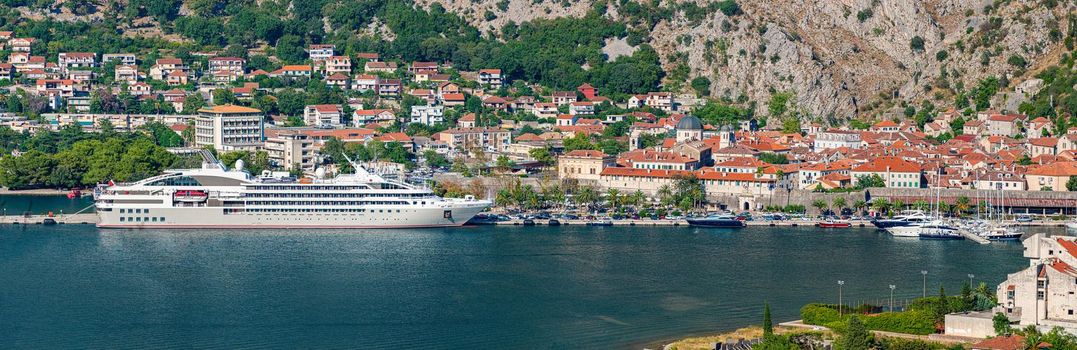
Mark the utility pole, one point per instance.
(924, 272)
(892, 297)
(840, 283)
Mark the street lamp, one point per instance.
(892, 297)
(924, 272)
(971, 276)
(840, 283)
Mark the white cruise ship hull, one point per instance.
(216, 217)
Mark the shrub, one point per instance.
(917, 43)
(912, 322)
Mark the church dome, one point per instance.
(690, 123)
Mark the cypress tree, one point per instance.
(768, 327)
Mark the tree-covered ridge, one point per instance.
(559, 53)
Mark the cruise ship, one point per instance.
(216, 197)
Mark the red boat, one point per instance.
(834, 224)
(75, 193)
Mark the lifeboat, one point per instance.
(190, 196)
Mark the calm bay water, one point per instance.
(34, 204)
(74, 286)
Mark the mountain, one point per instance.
(831, 59)
(843, 58)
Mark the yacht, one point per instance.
(915, 230)
(716, 220)
(216, 197)
(937, 230)
(908, 217)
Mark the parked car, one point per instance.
(1024, 218)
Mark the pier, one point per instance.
(82, 218)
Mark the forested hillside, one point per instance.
(825, 61)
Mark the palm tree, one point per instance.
(881, 205)
(614, 197)
(821, 205)
(638, 198)
(838, 203)
(962, 205)
(665, 195)
(899, 204)
(859, 205)
(921, 204)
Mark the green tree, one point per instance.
(702, 86)
(580, 141)
(856, 336)
(1002, 324)
(1071, 184)
(543, 155)
(869, 181)
(916, 43)
(768, 326)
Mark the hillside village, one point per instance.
(433, 116)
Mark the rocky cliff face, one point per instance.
(840, 58)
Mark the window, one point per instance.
(122, 219)
(123, 211)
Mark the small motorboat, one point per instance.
(1072, 225)
(48, 222)
(1002, 234)
(529, 222)
(74, 193)
(554, 222)
(716, 220)
(600, 222)
(833, 224)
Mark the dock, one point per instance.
(82, 218)
(666, 222)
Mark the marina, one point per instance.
(511, 286)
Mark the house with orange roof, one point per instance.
(545, 110)
(581, 108)
(895, 172)
(469, 139)
(163, 67)
(1004, 125)
(657, 160)
(1039, 127)
(490, 77)
(379, 67)
(292, 71)
(398, 137)
(467, 121)
(323, 116)
(974, 127)
(1050, 177)
(884, 126)
(1042, 145)
(583, 165)
(366, 116)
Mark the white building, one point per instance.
(323, 116)
(837, 139)
(428, 115)
(229, 128)
(290, 148)
(1045, 293)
